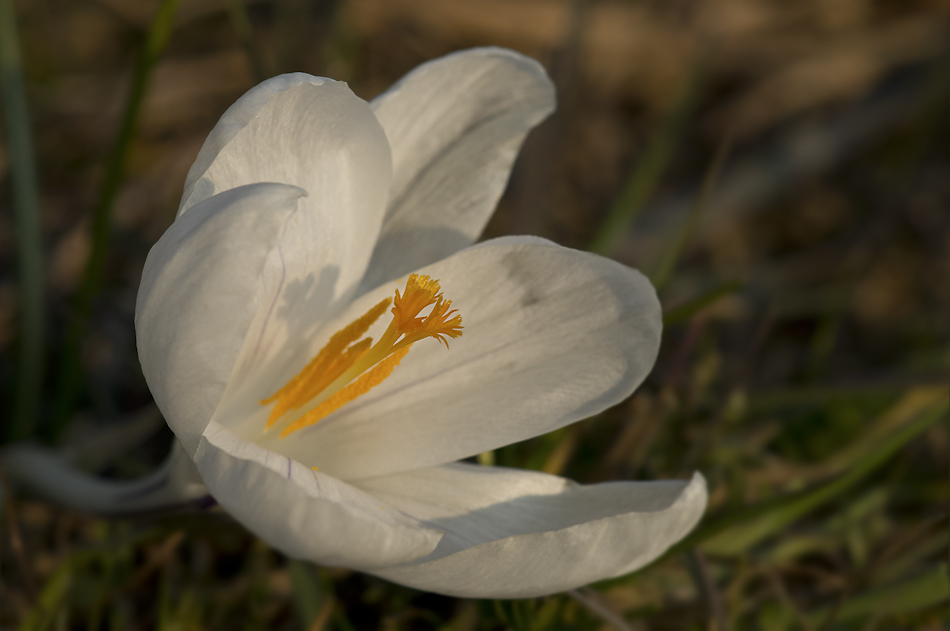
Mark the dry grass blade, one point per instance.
(594, 602)
(323, 617)
(700, 571)
(16, 539)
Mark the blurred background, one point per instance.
(779, 170)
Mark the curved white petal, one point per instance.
(198, 185)
(303, 513)
(283, 130)
(295, 129)
(313, 133)
(455, 125)
(200, 290)
(552, 335)
(520, 534)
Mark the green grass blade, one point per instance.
(904, 564)
(55, 591)
(28, 234)
(70, 368)
(668, 262)
(687, 311)
(649, 169)
(927, 590)
(241, 24)
(742, 534)
(308, 596)
(745, 527)
(769, 401)
(910, 405)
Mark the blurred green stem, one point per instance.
(308, 596)
(668, 263)
(649, 169)
(687, 311)
(241, 24)
(70, 376)
(29, 238)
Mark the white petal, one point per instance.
(520, 534)
(283, 130)
(313, 133)
(231, 123)
(455, 126)
(551, 336)
(297, 130)
(303, 513)
(200, 291)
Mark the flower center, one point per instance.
(348, 367)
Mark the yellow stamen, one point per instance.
(332, 360)
(359, 387)
(420, 293)
(324, 385)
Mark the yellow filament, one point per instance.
(361, 386)
(332, 361)
(327, 382)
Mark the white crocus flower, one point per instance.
(301, 221)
